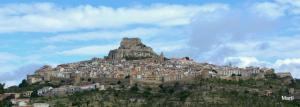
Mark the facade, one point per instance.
(89, 86)
(41, 105)
(20, 102)
(31, 79)
(284, 74)
(27, 93)
(44, 91)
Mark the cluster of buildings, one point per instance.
(21, 99)
(135, 62)
(25, 102)
(99, 70)
(70, 89)
(138, 62)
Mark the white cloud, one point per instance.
(15, 67)
(6, 57)
(12, 83)
(90, 50)
(49, 48)
(277, 8)
(14, 77)
(47, 17)
(268, 9)
(104, 35)
(244, 61)
(267, 47)
(168, 46)
(293, 6)
(8, 61)
(288, 65)
(287, 61)
(291, 65)
(245, 38)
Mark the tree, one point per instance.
(6, 103)
(127, 77)
(119, 82)
(233, 75)
(34, 94)
(2, 88)
(183, 95)
(24, 83)
(135, 88)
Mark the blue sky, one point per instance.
(262, 33)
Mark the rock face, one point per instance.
(43, 70)
(132, 49)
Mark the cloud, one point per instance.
(8, 61)
(287, 61)
(5, 57)
(168, 46)
(105, 35)
(277, 8)
(47, 17)
(292, 6)
(259, 35)
(214, 35)
(14, 68)
(217, 33)
(15, 77)
(90, 50)
(291, 65)
(245, 61)
(19, 72)
(288, 65)
(271, 10)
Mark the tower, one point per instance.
(161, 57)
(77, 79)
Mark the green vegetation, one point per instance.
(193, 93)
(2, 88)
(23, 84)
(135, 88)
(34, 94)
(5, 103)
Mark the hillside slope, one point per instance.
(192, 93)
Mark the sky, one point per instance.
(263, 33)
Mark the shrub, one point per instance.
(23, 84)
(183, 95)
(135, 88)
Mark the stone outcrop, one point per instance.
(45, 68)
(132, 49)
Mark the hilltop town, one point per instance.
(139, 62)
(136, 63)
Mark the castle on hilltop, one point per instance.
(135, 62)
(132, 48)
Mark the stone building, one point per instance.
(131, 48)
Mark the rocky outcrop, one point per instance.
(132, 49)
(44, 69)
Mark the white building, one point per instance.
(44, 90)
(41, 105)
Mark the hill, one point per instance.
(192, 93)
